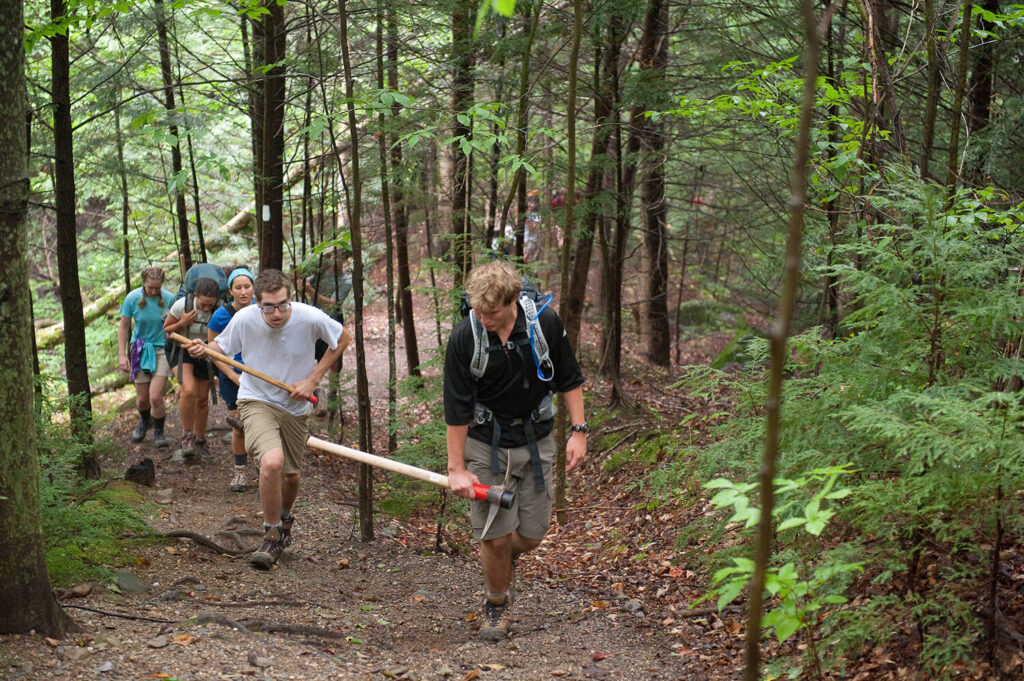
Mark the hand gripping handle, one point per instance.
(494, 495)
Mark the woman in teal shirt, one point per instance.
(143, 357)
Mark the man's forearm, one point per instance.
(574, 405)
(456, 439)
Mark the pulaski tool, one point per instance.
(496, 496)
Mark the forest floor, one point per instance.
(605, 596)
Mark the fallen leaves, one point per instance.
(185, 639)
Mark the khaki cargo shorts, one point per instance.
(162, 368)
(268, 426)
(531, 512)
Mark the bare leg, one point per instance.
(289, 489)
(155, 396)
(271, 484)
(202, 403)
(237, 438)
(142, 402)
(496, 559)
(187, 404)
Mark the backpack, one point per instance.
(529, 299)
(202, 270)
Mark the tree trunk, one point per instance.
(24, 585)
(958, 102)
(654, 52)
(184, 247)
(605, 67)
(932, 99)
(75, 363)
(980, 89)
(561, 425)
(778, 333)
(122, 174)
(254, 91)
(272, 146)
(522, 121)
(400, 213)
(362, 386)
(463, 14)
(382, 146)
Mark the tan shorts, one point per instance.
(270, 427)
(530, 515)
(162, 368)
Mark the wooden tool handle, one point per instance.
(238, 365)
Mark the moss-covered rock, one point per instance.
(736, 352)
(709, 315)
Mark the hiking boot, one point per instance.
(200, 448)
(187, 450)
(267, 554)
(286, 530)
(139, 434)
(235, 423)
(238, 482)
(158, 433)
(496, 618)
(320, 409)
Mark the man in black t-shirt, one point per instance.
(500, 419)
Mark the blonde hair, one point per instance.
(493, 285)
(151, 272)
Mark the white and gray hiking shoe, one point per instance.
(238, 482)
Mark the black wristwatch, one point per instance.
(581, 428)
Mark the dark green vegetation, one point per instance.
(900, 442)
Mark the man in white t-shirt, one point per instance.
(277, 337)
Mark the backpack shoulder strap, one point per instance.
(478, 363)
(538, 343)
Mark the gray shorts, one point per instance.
(530, 515)
(268, 426)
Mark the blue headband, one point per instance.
(241, 272)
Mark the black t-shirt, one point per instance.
(509, 387)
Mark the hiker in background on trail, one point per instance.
(189, 317)
(143, 357)
(277, 337)
(504, 361)
(240, 288)
(328, 289)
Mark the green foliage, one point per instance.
(646, 451)
(911, 395)
(82, 521)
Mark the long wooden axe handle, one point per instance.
(238, 365)
(492, 495)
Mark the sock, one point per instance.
(497, 599)
(241, 460)
(158, 424)
(144, 414)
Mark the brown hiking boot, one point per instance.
(266, 555)
(286, 530)
(496, 618)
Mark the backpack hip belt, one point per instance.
(545, 411)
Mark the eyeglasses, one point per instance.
(283, 307)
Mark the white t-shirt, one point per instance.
(197, 329)
(285, 353)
